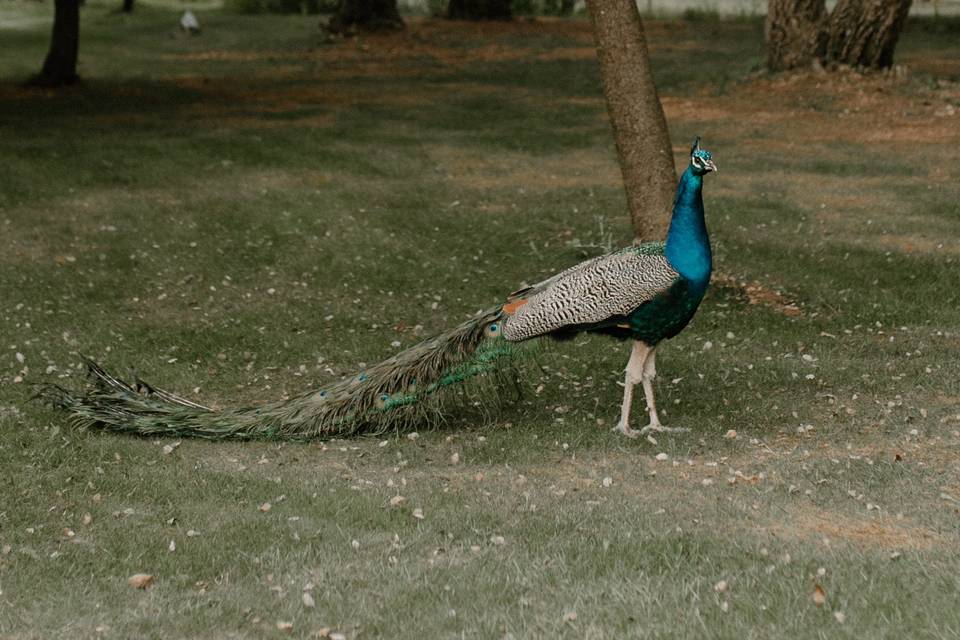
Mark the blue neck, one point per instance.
(688, 246)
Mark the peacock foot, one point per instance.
(659, 428)
(626, 430)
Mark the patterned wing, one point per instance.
(590, 293)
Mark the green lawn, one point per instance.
(254, 211)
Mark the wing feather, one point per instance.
(592, 292)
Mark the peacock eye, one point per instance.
(492, 330)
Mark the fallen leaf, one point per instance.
(840, 616)
(731, 434)
(172, 546)
(570, 616)
(140, 580)
(720, 587)
(498, 540)
(396, 501)
(308, 600)
(86, 519)
(418, 513)
(455, 458)
(266, 506)
(285, 626)
(819, 596)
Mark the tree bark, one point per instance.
(480, 10)
(60, 65)
(639, 125)
(864, 33)
(859, 33)
(369, 15)
(795, 33)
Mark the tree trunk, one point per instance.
(795, 33)
(128, 6)
(480, 10)
(60, 66)
(859, 33)
(639, 126)
(864, 33)
(369, 15)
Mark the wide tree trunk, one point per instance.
(864, 33)
(60, 65)
(369, 15)
(859, 33)
(639, 126)
(795, 33)
(480, 10)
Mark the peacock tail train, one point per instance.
(408, 389)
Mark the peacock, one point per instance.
(644, 293)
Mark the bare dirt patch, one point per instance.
(757, 294)
(808, 522)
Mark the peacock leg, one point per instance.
(649, 373)
(634, 374)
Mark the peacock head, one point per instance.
(701, 162)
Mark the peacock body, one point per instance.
(645, 293)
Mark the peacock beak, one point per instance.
(709, 164)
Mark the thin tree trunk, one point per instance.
(864, 33)
(480, 10)
(128, 6)
(795, 34)
(370, 15)
(60, 65)
(639, 126)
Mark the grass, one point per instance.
(253, 211)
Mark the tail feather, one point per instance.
(410, 388)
